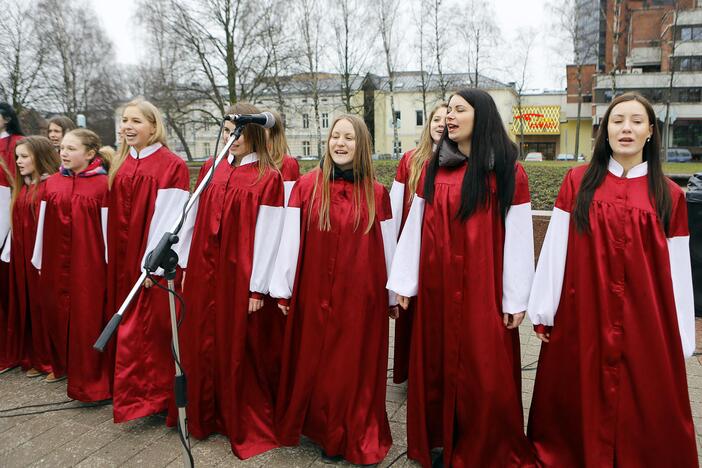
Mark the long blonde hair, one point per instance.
(423, 153)
(277, 142)
(46, 161)
(153, 116)
(363, 174)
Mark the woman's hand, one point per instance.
(284, 309)
(255, 304)
(545, 337)
(393, 312)
(403, 301)
(512, 321)
(148, 283)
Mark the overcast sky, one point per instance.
(546, 70)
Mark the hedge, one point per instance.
(544, 177)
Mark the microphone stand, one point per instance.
(163, 256)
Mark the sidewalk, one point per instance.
(86, 437)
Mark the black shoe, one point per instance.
(331, 459)
(438, 461)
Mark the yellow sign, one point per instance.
(536, 120)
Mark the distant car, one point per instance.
(307, 158)
(679, 155)
(534, 156)
(569, 157)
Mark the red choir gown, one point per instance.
(26, 342)
(7, 153)
(401, 200)
(70, 252)
(464, 390)
(611, 387)
(236, 233)
(146, 199)
(335, 353)
(269, 323)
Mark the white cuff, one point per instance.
(103, 221)
(168, 208)
(39, 241)
(288, 186)
(285, 268)
(681, 274)
(387, 228)
(5, 200)
(397, 201)
(404, 273)
(518, 261)
(548, 280)
(269, 226)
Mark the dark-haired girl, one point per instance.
(466, 252)
(25, 340)
(71, 253)
(612, 301)
(10, 134)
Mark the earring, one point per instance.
(648, 139)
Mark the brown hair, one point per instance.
(597, 170)
(64, 122)
(255, 137)
(364, 175)
(46, 161)
(423, 153)
(152, 115)
(277, 143)
(92, 142)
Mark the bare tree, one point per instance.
(670, 34)
(480, 35)
(527, 42)
(386, 12)
(421, 47)
(350, 17)
(23, 56)
(615, 25)
(572, 20)
(438, 24)
(79, 76)
(310, 24)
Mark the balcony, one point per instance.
(641, 56)
(633, 81)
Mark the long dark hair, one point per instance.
(13, 126)
(596, 172)
(491, 150)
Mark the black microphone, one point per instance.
(265, 119)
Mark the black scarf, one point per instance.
(340, 174)
(450, 155)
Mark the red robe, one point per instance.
(237, 225)
(464, 389)
(7, 153)
(334, 367)
(146, 199)
(269, 322)
(611, 386)
(73, 277)
(401, 200)
(26, 342)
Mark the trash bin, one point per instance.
(694, 214)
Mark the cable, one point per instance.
(10, 410)
(529, 367)
(52, 410)
(397, 458)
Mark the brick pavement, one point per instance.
(86, 437)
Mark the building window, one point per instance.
(305, 120)
(398, 147)
(690, 95)
(206, 125)
(420, 118)
(690, 33)
(398, 118)
(305, 148)
(207, 150)
(325, 120)
(688, 64)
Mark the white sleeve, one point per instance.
(548, 280)
(5, 198)
(186, 235)
(681, 274)
(269, 227)
(286, 262)
(5, 255)
(169, 206)
(39, 241)
(288, 185)
(518, 261)
(404, 273)
(389, 245)
(103, 222)
(397, 201)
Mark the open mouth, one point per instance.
(451, 127)
(626, 140)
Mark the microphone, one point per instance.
(265, 119)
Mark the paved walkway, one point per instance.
(86, 437)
